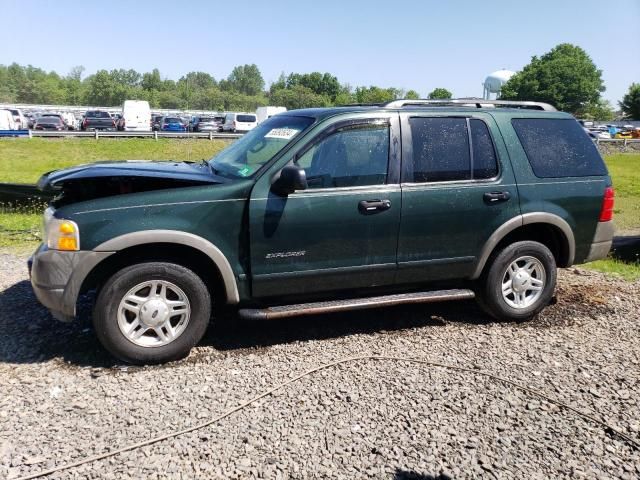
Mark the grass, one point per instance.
(18, 229)
(624, 169)
(24, 160)
(627, 271)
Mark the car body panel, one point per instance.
(577, 200)
(444, 223)
(317, 239)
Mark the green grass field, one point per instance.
(24, 160)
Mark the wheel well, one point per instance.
(545, 233)
(189, 257)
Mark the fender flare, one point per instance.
(519, 221)
(183, 238)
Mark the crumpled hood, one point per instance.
(189, 173)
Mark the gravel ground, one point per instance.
(62, 398)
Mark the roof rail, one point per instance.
(471, 102)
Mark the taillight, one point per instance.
(606, 212)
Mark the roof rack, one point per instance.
(472, 102)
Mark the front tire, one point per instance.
(152, 313)
(519, 282)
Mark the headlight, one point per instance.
(61, 234)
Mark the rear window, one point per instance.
(558, 147)
(98, 114)
(172, 120)
(205, 119)
(246, 118)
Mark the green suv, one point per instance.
(323, 210)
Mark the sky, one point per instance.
(416, 45)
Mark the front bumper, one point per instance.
(602, 241)
(57, 277)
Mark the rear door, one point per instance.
(457, 189)
(341, 233)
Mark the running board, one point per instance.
(284, 311)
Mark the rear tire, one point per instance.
(152, 313)
(519, 282)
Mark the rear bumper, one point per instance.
(602, 241)
(57, 277)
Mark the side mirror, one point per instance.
(291, 178)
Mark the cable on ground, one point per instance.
(94, 458)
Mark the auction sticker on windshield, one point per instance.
(283, 133)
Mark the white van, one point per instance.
(239, 122)
(19, 119)
(6, 120)
(136, 116)
(267, 112)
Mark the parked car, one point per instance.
(155, 122)
(172, 124)
(136, 116)
(19, 119)
(98, 120)
(208, 124)
(50, 122)
(69, 120)
(31, 118)
(7, 121)
(239, 122)
(328, 209)
(599, 134)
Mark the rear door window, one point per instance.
(440, 149)
(558, 147)
(484, 159)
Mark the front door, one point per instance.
(457, 189)
(340, 233)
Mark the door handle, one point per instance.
(496, 197)
(367, 207)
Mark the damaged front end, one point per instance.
(105, 179)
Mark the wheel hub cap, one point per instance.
(153, 313)
(523, 282)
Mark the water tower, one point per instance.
(494, 82)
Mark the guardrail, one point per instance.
(106, 134)
(617, 140)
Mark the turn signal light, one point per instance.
(67, 243)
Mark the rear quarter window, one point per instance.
(558, 147)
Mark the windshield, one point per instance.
(246, 118)
(98, 114)
(49, 120)
(245, 157)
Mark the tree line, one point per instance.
(243, 89)
(566, 77)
